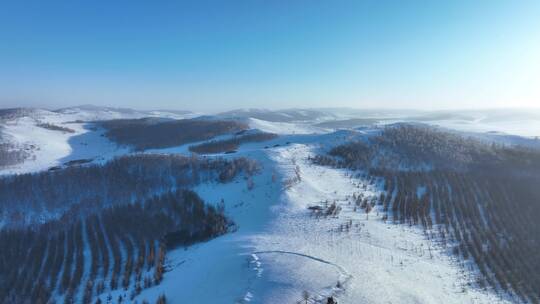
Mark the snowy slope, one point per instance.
(51, 148)
(91, 113)
(280, 250)
(527, 128)
(524, 123)
(387, 263)
(284, 127)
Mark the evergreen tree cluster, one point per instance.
(226, 145)
(54, 127)
(478, 199)
(127, 244)
(35, 198)
(153, 133)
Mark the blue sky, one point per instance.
(216, 55)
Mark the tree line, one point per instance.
(53, 127)
(155, 133)
(232, 144)
(33, 198)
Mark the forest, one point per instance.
(153, 133)
(11, 155)
(29, 199)
(477, 199)
(54, 127)
(80, 232)
(232, 144)
(14, 113)
(118, 247)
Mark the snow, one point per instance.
(526, 128)
(283, 127)
(92, 113)
(47, 145)
(219, 271)
(51, 148)
(388, 263)
(523, 123)
(280, 250)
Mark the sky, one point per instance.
(217, 55)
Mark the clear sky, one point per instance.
(214, 55)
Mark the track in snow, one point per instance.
(342, 271)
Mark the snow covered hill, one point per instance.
(91, 113)
(53, 147)
(283, 249)
(54, 138)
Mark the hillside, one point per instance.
(145, 133)
(265, 211)
(479, 200)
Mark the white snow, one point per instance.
(280, 250)
(527, 128)
(51, 148)
(284, 127)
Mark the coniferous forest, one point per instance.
(229, 145)
(33, 198)
(152, 133)
(80, 232)
(123, 247)
(479, 200)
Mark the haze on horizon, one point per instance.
(219, 55)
